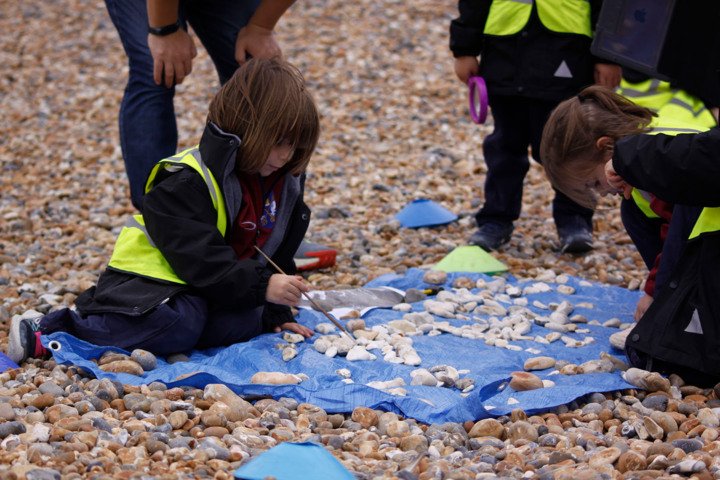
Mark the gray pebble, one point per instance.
(43, 474)
(52, 388)
(656, 402)
(11, 428)
(147, 360)
(688, 445)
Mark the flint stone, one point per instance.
(11, 428)
(238, 409)
(488, 427)
(539, 363)
(688, 445)
(366, 417)
(145, 359)
(522, 381)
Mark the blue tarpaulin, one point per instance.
(489, 366)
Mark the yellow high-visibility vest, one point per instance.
(677, 112)
(708, 221)
(135, 251)
(508, 17)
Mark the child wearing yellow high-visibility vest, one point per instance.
(185, 274)
(600, 143)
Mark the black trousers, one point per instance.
(519, 123)
(179, 325)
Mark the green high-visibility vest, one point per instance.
(508, 17)
(135, 251)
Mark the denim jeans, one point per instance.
(148, 131)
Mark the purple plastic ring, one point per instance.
(478, 99)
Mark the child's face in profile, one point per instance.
(597, 182)
(279, 156)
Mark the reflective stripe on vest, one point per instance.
(708, 221)
(652, 93)
(642, 200)
(134, 251)
(508, 17)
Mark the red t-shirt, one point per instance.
(258, 213)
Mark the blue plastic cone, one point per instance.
(6, 363)
(424, 213)
(294, 461)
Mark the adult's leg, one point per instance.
(217, 23)
(645, 232)
(506, 156)
(172, 327)
(148, 132)
(566, 213)
(225, 327)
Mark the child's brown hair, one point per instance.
(569, 149)
(265, 103)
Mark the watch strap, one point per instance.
(164, 30)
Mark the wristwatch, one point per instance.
(164, 30)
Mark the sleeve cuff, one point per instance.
(465, 41)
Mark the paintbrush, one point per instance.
(309, 298)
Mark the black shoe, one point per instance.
(490, 236)
(24, 340)
(575, 240)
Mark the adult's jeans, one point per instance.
(519, 123)
(148, 131)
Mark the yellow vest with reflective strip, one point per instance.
(677, 112)
(508, 17)
(708, 221)
(135, 251)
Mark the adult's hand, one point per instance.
(172, 57)
(607, 75)
(295, 328)
(466, 67)
(257, 42)
(285, 289)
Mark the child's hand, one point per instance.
(295, 328)
(617, 182)
(285, 289)
(466, 67)
(642, 306)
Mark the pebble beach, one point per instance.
(395, 127)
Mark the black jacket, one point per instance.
(181, 220)
(525, 63)
(685, 170)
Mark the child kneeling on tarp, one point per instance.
(601, 143)
(185, 274)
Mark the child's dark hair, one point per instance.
(265, 103)
(569, 149)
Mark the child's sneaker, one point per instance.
(312, 256)
(24, 339)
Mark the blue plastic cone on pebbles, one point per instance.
(6, 363)
(424, 213)
(294, 461)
